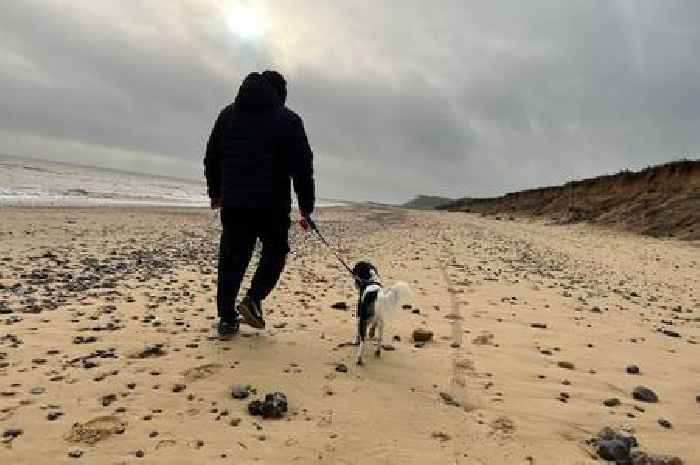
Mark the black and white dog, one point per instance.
(374, 305)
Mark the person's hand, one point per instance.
(307, 221)
(215, 203)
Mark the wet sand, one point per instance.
(108, 352)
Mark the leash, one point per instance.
(337, 255)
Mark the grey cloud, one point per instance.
(448, 97)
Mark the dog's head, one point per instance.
(364, 272)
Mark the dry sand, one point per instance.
(125, 280)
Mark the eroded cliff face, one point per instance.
(661, 201)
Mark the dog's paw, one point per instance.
(378, 353)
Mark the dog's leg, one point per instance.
(357, 331)
(380, 337)
(360, 347)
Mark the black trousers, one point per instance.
(242, 227)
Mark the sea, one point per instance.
(27, 181)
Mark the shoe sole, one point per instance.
(247, 314)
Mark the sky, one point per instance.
(398, 97)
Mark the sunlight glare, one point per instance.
(245, 22)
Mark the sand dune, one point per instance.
(659, 201)
(108, 353)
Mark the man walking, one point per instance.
(257, 148)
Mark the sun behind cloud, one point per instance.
(246, 22)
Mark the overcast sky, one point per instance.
(399, 97)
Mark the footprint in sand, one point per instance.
(483, 340)
(95, 430)
(503, 426)
(201, 372)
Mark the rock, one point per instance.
(422, 335)
(665, 423)
(35, 391)
(155, 350)
(108, 399)
(632, 369)
(566, 365)
(614, 446)
(644, 394)
(642, 458)
(449, 400)
(240, 391)
(12, 433)
(341, 368)
(613, 402)
(75, 454)
(441, 436)
(179, 387)
(53, 416)
(538, 325)
(614, 450)
(671, 333)
(340, 306)
(274, 406)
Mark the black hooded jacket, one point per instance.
(256, 147)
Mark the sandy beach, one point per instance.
(108, 353)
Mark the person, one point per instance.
(257, 149)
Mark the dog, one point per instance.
(375, 304)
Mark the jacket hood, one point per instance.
(256, 95)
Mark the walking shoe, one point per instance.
(251, 311)
(228, 327)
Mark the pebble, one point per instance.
(632, 369)
(341, 368)
(538, 325)
(422, 335)
(613, 402)
(566, 365)
(340, 306)
(240, 391)
(665, 423)
(12, 433)
(75, 454)
(644, 394)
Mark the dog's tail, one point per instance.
(398, 294)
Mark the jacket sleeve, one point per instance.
(211, 160)
(302, 164)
